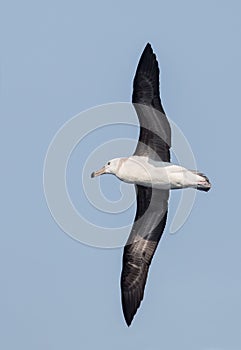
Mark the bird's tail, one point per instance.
(204, 184)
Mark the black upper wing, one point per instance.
(147, 230)
(155, 132)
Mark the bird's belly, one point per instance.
(167, 176)
(155, 177)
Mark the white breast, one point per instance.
(162, 175)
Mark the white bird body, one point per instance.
(157, 174)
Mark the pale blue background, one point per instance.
(59, 58)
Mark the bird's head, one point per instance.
(111, 167)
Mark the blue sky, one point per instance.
(60, 58)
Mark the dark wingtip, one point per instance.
(148, 47)
(128, 320)
(129, 308)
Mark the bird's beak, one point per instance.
(98, 172)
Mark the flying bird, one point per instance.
(150, 169)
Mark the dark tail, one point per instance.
(203, 185)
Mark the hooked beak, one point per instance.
(98, 172)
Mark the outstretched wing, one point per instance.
(150, 221)
(155, 132)
(152, 204)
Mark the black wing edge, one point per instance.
(146, 88)
(155, 131)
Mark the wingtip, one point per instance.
(147, 59)
(128, 320)
(127, 312)
(148, 46)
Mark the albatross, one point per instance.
(153, 175)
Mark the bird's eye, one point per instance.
(108, 163)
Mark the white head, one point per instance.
(111, 167)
